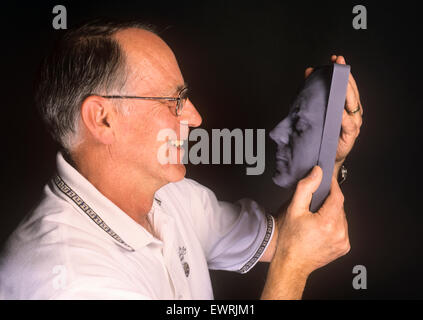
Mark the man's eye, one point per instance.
(171, 105)
(166, 103)
(163, 102)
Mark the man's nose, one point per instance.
(190, 115)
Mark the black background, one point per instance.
(244, 62)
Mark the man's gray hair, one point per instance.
(85, 60)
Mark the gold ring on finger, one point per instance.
(354, 111)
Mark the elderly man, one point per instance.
(115, 223)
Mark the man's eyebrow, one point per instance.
(180, 87)
(176, 91)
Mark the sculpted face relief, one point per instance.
(298, 136)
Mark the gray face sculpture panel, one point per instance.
(298, 136)
(314, 120)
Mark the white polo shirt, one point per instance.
(77, 244)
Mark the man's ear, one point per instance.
(97, 115)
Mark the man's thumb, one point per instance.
(305, 189)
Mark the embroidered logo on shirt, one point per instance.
(185, 265)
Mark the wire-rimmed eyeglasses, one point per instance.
(180, 99)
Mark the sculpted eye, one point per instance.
(295, 110)
(299, 122)
(296, 106)
(301, 125)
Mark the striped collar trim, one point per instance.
(74, 197)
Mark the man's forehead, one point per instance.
(149, 59)
(140, 40)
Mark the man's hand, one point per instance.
(306, 241)
(352, 118)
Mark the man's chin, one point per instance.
(176, 172)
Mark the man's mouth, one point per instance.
(176, 143)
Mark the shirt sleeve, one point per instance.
(234, 236)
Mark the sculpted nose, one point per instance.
(280, 134)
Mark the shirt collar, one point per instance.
(115, 223)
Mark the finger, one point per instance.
(354, 86)
(349, 133)
(351, 102)
(351, 80)
(350, 126)
(308, 71)
(334, 203)
(305, 189)
(340, 60)
(333, 58)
